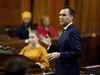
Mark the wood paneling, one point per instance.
(25, 6)
(9, 12)
(92, 16)
(90, 46)
(9, 16)
(98, 16)
(40, 8)
(54, 13)
(87, 18)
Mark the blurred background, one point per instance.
(87, 18)
(87, 21)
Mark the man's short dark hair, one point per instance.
(15, 66)
(71, 11)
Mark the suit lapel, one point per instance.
(64, 35)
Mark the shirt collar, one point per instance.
(67, 26)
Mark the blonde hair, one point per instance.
(35, 32)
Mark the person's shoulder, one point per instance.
(40, 27)
(72, 28)
(26, 47)
(20, 27)
(74, 31)
(51, 27)
(42, 48)
(32, 27)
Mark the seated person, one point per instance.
(23, 30)
(45, 27)
(15, 66)
(35, 51)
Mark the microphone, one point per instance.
(29, 29)
(26, 40)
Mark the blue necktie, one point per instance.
(62, 33)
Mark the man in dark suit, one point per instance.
(69, 47)
(23, 30)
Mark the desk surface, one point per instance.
(4, 58)
(90, 67)
(30, 70)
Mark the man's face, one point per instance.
(65, 17)
(26, 20)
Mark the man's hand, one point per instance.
(46, 41)
(53, 55)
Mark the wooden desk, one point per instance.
(35, 71)
(89, 48)
(18, 45)
(31, 70)
(5, 57)
(95, 69)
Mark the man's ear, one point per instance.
(71, 17)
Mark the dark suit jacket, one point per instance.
(22, 31)
(70, 48)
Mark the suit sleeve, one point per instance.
(52, 48)
(74, 41)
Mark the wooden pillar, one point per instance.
(25, 6)
(54, 13)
